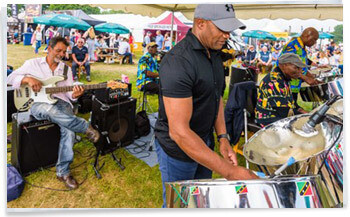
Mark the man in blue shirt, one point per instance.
(148, 71)
(264, 60)
(80, 57)
(159, 39)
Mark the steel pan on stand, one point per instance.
(279, 192)
(273, 145)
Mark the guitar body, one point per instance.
(25, 96)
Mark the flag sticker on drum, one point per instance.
(304, 188)
(241, 189)
(194, 190)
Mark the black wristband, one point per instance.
(223, 136)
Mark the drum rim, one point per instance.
(222, 181)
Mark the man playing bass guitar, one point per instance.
(61, 112)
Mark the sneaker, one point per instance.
(88, 78)
(92, 134)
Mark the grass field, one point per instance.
(138, 186)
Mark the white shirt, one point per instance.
(39, 68)
(323, 61)
(38, 36)
(123, 47)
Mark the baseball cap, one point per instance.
(152, 44)
(222, 15)
(291, 58)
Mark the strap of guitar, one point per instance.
(65, 71)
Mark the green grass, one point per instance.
(138, 186)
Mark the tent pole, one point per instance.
(172, 26)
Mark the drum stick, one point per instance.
(290, 161)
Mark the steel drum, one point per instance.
(273, 145)
(318, 93)
(279, 192)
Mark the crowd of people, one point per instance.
(84, 47)
(264, 54)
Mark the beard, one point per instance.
(57, 59)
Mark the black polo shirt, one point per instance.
(80, 53)
(187, 71)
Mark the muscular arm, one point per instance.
(192, 144)
(220, 128)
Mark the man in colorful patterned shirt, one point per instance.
(148, 71)
(275, 99)
(298, 46)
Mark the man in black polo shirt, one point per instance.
(190, 102)
(80, 57)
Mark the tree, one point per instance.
(338, 33)
(86, 8)
(20, 8)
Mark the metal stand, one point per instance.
(144, 104)
(246, 133)
(96, 166)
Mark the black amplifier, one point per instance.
(110, 95)
(34, 143)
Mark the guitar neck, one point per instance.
(51, 90)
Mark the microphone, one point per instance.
(318, 116)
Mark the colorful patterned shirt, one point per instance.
(149, 63)
(274, 99)
(296, 45)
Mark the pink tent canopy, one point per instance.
(180, 29)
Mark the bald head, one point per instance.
(309, 36)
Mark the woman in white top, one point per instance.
(323, 60)
(38, 37)
(166, 42)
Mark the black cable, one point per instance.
(143, 149)
(90, 156)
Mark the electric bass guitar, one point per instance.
(24, 97)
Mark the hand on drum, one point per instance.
(227, 152)
(311, 81)
(240, 173)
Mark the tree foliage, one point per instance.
(20, 8)
(86, 8)
(338, 33)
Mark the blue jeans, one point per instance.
(61, 114)
(75, 66)
(38, 45)
(175, 170)
(47, 43)
(128, 55)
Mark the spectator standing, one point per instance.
(30, 29)
(131, 42)
(77, 36)
(37, 37)
(159, 39)
(48, 36)
(166, 42)
(331, 48)
(89, 35)
(147, 39)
